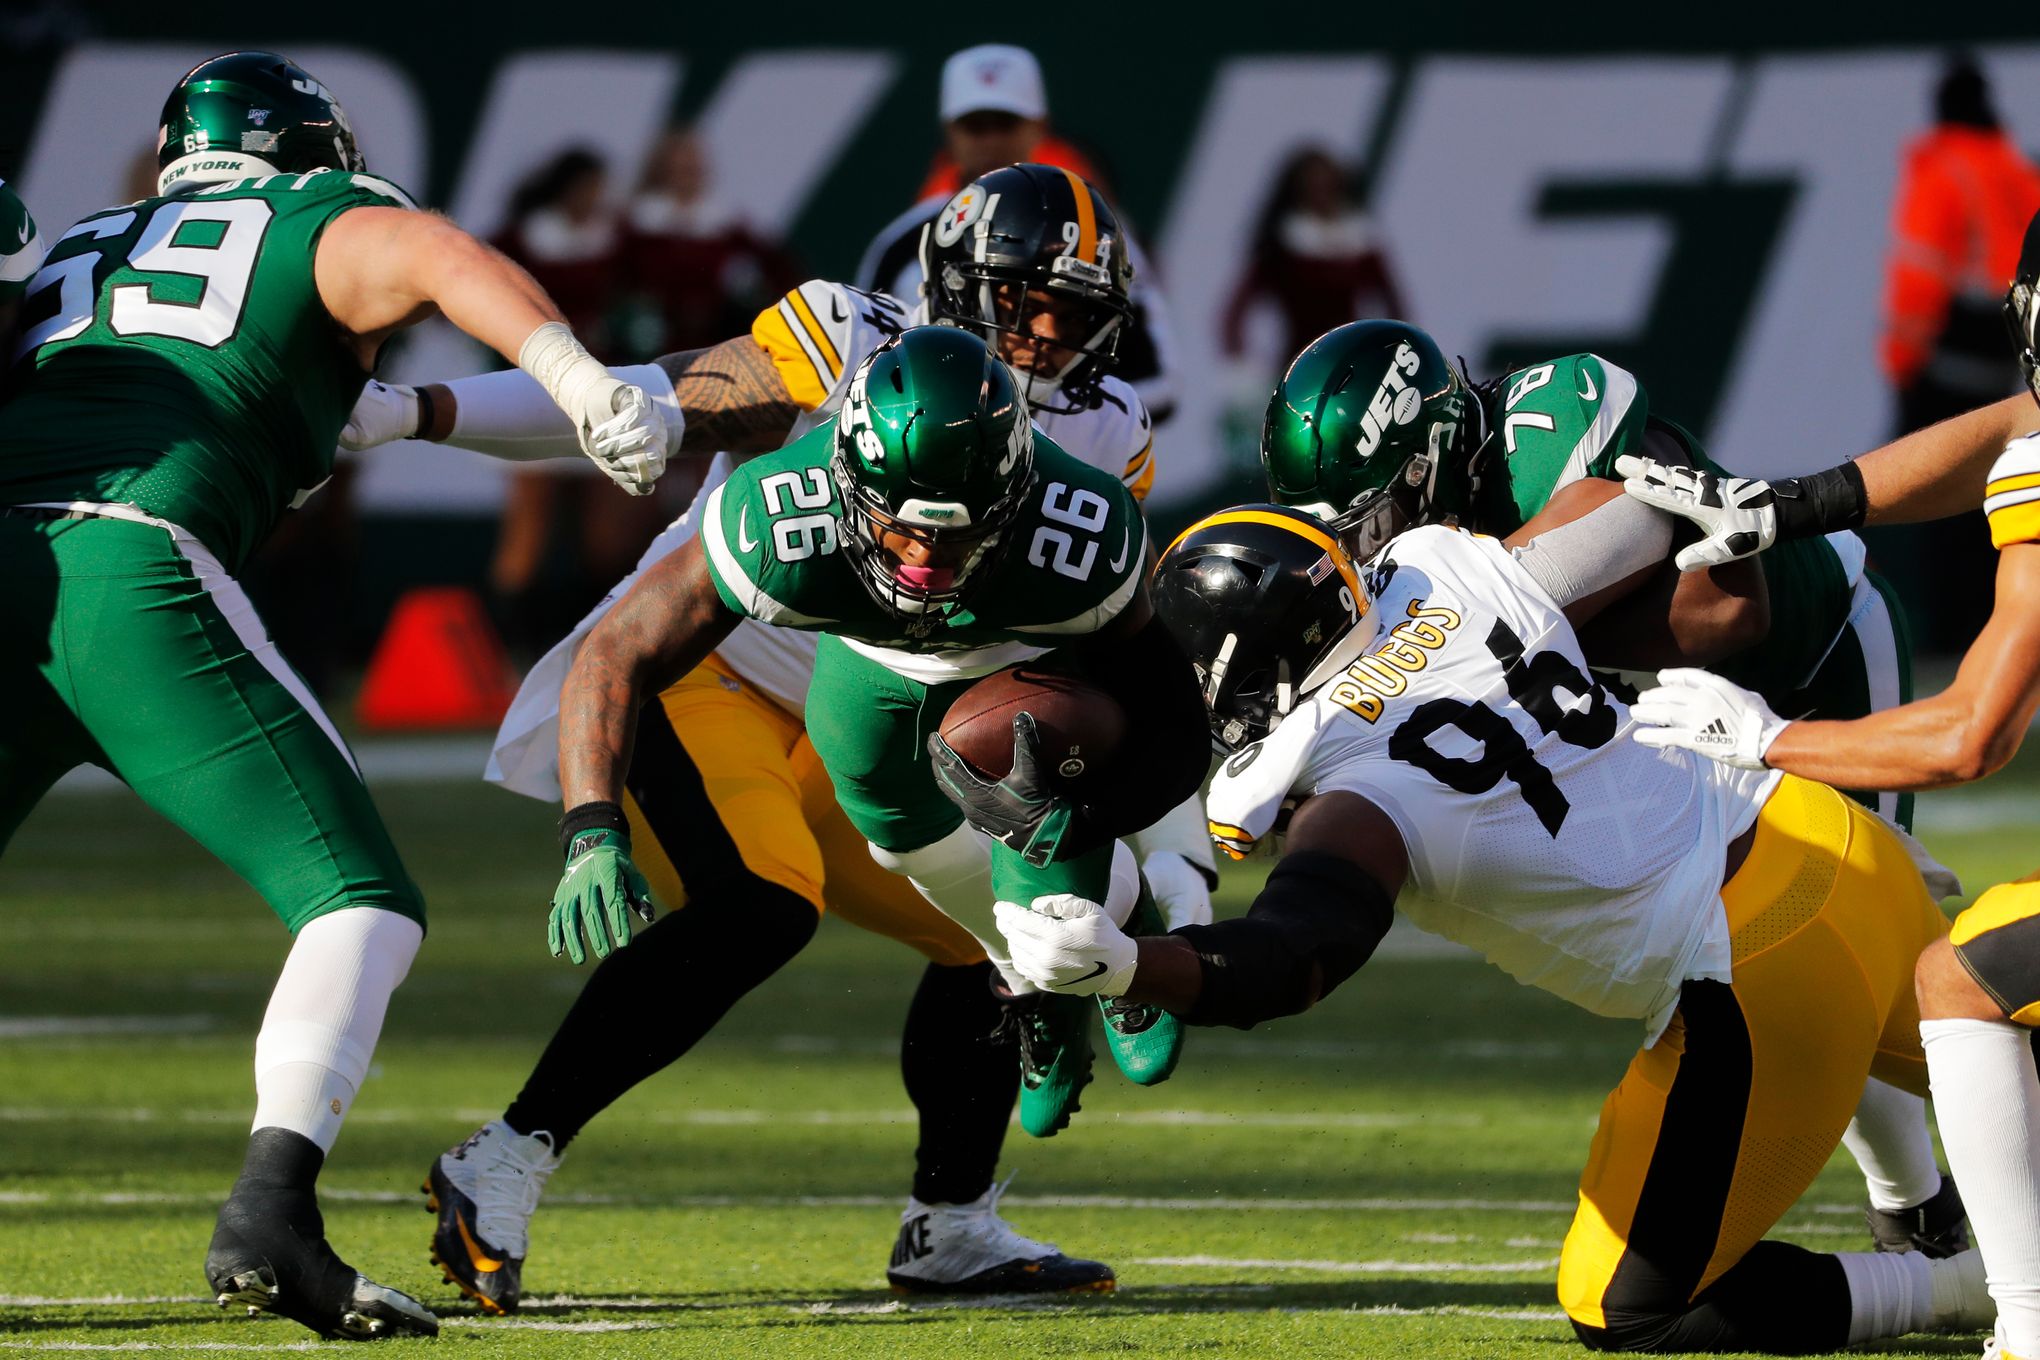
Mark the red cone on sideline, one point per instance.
(439, 665)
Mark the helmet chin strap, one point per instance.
(210, 167)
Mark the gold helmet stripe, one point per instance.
(1087, 219)
(1310, 533)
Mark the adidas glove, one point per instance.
(1702, 712)
(1020, 811)
(1737, 515)
(600, 889)
(1067, 944)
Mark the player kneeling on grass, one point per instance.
(1979, 990)
(186, 364)
(1432, 720)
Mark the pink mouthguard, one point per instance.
(925, 579)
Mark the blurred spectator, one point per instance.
(994, 112)
(563, 229)
(1315, 256)
(696, 272)
(1965, 194)
(566, 534)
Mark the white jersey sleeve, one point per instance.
(1537, 831)
(820, 332)
(2011, 497)
(1115, 436)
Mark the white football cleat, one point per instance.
(969, 1249)
(485, 1191)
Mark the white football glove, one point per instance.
(628, 443)
(382, 413)
(1179, 890)
(1068, 944)
(617, 424)
(1738, 515)
(1702, 712)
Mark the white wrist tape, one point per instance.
(565, 369)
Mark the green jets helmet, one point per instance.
(934, 457)
(1360, 429)
(250, 113)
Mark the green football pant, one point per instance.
(1868, 669)
(134, 651)
(870, 726)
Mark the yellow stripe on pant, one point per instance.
(762, 804)
(1715, 1131)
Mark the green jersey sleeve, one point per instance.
(1557, 422)
(21, 249)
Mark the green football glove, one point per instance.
(600, 890)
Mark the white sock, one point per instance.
(324, 1017)
(1987, 1098)
(1889, 1295)
(508, 415)
(955, 875)
(1889, 1140)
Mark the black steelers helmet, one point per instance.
(1022, 231)
(1257, 596)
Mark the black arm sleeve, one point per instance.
(1167, 749)
(1317, 920)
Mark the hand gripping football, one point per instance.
(1080, 725)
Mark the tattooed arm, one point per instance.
(658, 632)
(731, 394)
(734, 398)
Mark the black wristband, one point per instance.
(591, 817)
(1822, 503)
(427, 409)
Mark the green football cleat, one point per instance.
(1055, 1058)
(1145, 1041)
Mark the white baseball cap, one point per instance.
(992, 76)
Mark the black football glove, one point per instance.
(1020, 811)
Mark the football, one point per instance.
(1080, 724)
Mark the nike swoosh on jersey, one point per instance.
(1125, 543)
(836, 312)
(744, 539)
(1592, 393)
(24, 233)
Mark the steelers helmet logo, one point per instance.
(958, 214)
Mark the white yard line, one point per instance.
(1354, 1267)
(717, 1118)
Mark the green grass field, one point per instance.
(1390, 1175)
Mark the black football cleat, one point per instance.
(1937, 1228)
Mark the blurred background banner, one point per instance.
(1712, 209)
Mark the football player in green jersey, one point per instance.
(932, 536)
(184, 367)
(1374, 431)
(21, 253)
